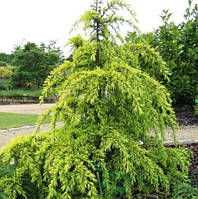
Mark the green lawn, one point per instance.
(12, 120)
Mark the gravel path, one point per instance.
(186, 134)
(25, 108)
(7, 135)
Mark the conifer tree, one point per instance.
(114, 116)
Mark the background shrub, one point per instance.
(196, 105)
(33, 64)
(6, 59)
(6, 72)
(5, 85)
(2, 63)
(178, 46)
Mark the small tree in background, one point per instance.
(178, 45)
(106, 148)
(33, 64)
(5, 59)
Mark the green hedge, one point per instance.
(20, 93)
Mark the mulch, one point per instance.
(187, 118)
(193, 170)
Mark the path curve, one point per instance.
(185, 134)
(25, 108)
(7, 135)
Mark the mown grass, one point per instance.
(13, 120)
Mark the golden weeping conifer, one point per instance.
(114, 116)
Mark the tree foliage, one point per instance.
(178, 45)
(5, 59)
(111, 143)
(6, 72)
(33, 64)
(103, 23)
(143, 57)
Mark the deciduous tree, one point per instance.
(33, 64)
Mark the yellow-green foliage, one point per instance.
(107, 114)
(114, 119)
(65, 166)
(6, 72)
(142, 56)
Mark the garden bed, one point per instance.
(193, 170)
(187, 118)
(23, 96)
(24, 100)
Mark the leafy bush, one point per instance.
(12, 188)
(184, 191)
(196, 109)
(66, 166)
(5, 85)
(178, 45)
(2, 63)
(5, 59)
(33, 64)
(6, 72)
(5, 171)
